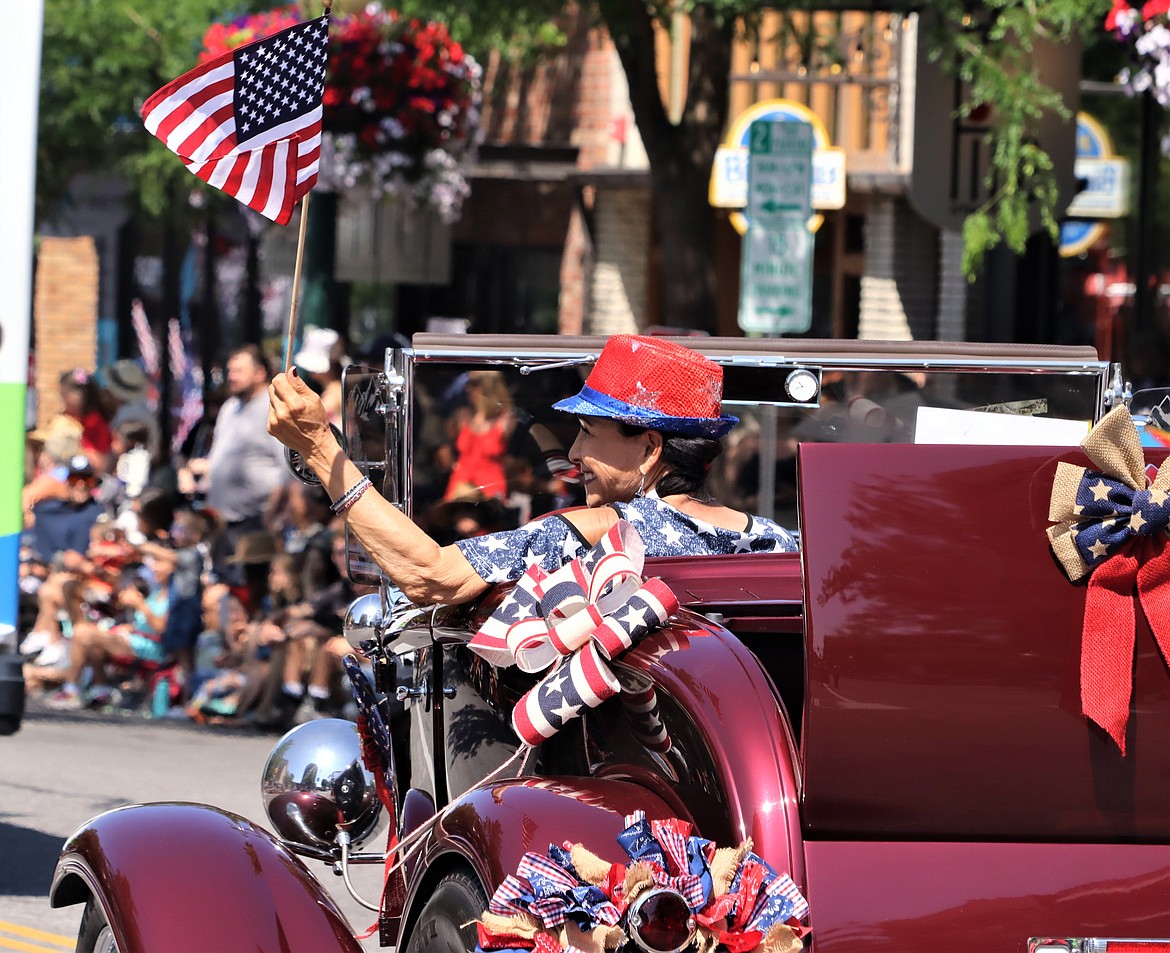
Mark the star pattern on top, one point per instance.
(665, 531)
(280, 79)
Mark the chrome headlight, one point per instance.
(660, 921)
(315, 785)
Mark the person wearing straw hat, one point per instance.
(650, 423)
(54, 445)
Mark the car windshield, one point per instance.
(481, 449)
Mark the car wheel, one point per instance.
(446, 924)
(9, 724)
(94, 935)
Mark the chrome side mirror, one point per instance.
(315, 788)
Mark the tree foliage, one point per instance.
(991, 50)
(100, 59)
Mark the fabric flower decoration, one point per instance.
(401, 103)
(571, 900)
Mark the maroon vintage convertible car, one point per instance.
(893, 715)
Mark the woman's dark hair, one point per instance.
(83, 382)
(689, 459)
(156, 512)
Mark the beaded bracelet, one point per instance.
(351, 496)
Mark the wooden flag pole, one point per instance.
(296, 286)
(327, 5)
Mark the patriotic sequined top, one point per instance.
(552, 541)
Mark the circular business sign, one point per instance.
(1077, 236)
(774, 110)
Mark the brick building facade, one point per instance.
(66, 308)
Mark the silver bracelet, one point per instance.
(351, 496)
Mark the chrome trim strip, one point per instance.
(534, 360)
(1089, 944)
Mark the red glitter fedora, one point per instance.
(654, 383)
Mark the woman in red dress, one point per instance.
(81, 398)
(481, 440)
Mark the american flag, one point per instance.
(248, 122)
(147, 345)
(190, 378)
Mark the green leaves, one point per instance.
(991, 50)
(99, 61)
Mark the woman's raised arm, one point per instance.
(425, 571)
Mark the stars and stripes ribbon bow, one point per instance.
(574, 620)
(1112, 528)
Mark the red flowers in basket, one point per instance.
(401, 103)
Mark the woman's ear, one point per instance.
(653, 445)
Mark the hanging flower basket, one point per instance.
(401, 104)
(1145, 31)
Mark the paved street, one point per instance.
(61, 769)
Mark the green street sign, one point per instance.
(776, 277)
(779, 171)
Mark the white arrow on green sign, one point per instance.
(779, 171)
(776, 277)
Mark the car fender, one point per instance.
(491, 828)
(179, 877)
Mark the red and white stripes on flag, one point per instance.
(189, 376)
(176, 351)
(248, 122)
(147, 344)
(588, 611)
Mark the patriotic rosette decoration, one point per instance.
(569, 899)
(571, 622)
(1112, 528)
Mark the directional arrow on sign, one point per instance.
(771, 205)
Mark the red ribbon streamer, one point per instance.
(1108, 636)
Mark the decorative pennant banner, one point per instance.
(586, 613)
(378, 757)
(570, 899)
(1112, 528)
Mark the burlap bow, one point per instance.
(588, 611)
(1112, 528)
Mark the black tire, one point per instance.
(9, 724)
(446, 923)
(94, 935)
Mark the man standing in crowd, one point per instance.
(244, 464)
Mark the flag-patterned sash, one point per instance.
(574, 620)
(1111, 527)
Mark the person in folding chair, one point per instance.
(650, 422)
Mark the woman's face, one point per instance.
(73, 400)
(278, 578)
(609, 460)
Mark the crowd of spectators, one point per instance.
(205, 581)
(203, 584)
